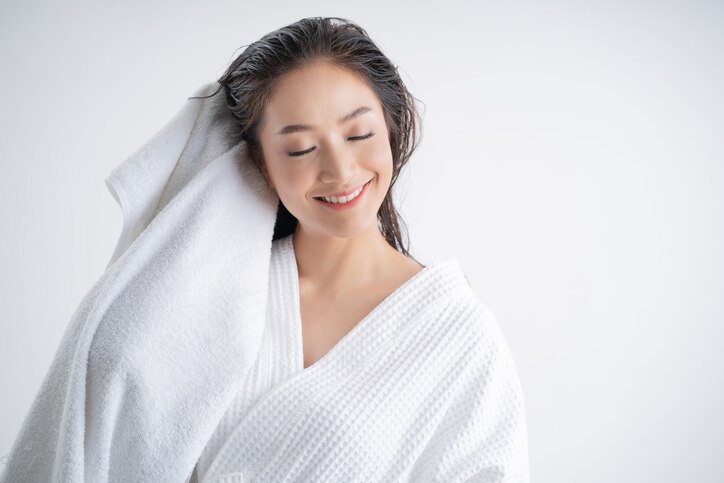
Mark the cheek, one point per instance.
(290, 182)
(381, 159)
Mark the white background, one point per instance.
(572, 161)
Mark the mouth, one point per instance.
(350, 202)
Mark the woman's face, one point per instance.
(314, 137)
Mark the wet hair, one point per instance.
(251, 77)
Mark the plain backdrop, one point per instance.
(572, 160)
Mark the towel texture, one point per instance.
(161, 343)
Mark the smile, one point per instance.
(343, 202)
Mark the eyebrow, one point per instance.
(306, 127)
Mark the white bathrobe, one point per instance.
(423, 388)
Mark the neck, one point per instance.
(335, 266)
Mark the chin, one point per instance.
(349, 229)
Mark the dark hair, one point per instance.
(250, 78)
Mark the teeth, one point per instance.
(342, 199)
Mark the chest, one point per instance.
(325, 321)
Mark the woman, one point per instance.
(349, 362)
(397, 371)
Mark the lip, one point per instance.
(349, 204)
(345, 193)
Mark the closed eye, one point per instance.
(353, 139)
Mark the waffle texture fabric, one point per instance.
(424, 388)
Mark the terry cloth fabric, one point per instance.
(161, 343)
(424, 388)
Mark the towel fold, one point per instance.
(160, 344)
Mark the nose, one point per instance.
(338, 165)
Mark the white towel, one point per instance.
(160, 344)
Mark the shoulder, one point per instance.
(462, 311)
(488, 370)
(484, 324)
(486, 412)
(487, 329)
(483, 330)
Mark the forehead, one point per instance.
(318, 93)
